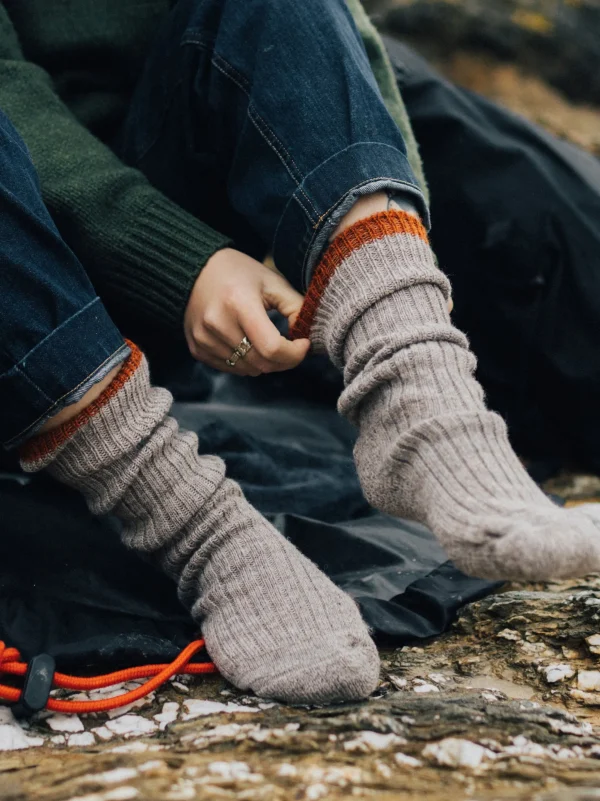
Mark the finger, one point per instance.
(279, 352)
(204, 344)
(281, 295)
(240, 368)
(450, 305)
(209, 358)
(230, 335)
(215, 345)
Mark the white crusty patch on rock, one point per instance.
(103, 733)
(509, 634)
(408, 761)
(169, 714)
(12, 736)
(116, 776)
(426, 688)
(556, 673)
(338, 775)
(116, 794)
(588, 680)
(578, 728)
(314, 792)
(131, 726)
(135, 748)
(196, 708)
(233, 772)
(455, 752)
(81, 739)
(369, 741)
(65, 723)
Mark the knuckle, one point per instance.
(269, 350)
(196, 333)
(234, 298)
(211, 321)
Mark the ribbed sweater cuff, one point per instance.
(160, 259)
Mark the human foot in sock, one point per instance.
(428, 449)
(272, 621)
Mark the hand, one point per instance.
(229, 301)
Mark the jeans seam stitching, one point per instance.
(334, 155)
(353, 145)
(362, 183)
(30, 380)
(230, 72)
(352, 188)
(17, 366)
(124, 346)
(299, 188)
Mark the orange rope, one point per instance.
(10, 663)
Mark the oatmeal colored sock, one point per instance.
(272, 621)
(428, 448)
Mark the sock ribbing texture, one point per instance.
(428, 448)
(272, 621)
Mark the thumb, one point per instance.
(281, 295)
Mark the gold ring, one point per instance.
(240, 352)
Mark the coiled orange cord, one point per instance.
(10, 663)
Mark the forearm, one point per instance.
(137, 246)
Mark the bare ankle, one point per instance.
(74, 409)
(371, 204)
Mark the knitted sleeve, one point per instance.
(137, 246)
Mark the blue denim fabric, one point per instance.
(56, 338)
(262, 118)
(265, 120)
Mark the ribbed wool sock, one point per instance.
(272, 621)
(428, 448)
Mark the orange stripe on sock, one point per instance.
(40, 446)
(384, 223)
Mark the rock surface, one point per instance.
(495, 728)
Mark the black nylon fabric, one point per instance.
(516, 227)
(69, 588)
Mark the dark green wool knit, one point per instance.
(67, 71)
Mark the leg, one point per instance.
(428, 448)
(57, 343)
(298, 151)
(526, 267)
(272, 621)
(275, 108)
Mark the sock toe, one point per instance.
(537, 547)
(323, 672)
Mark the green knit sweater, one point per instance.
(67, 71)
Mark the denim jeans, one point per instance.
(56, 338)
(262, 118)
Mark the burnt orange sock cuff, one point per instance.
(39, 447)
(377, 226)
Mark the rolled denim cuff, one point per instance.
(58, 371)
(333, 187)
